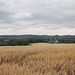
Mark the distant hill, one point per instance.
(6, 37)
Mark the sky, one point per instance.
(38, 17)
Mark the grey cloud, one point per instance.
(5, 16)
(55, 14)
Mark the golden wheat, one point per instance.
(38, 59)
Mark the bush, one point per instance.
(4, 43)
(15, 42)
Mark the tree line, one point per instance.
(27, 41)
(19, 42)
(66, 40)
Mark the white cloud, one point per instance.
(37, 16)
(21, 15)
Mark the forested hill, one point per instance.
(28, 36)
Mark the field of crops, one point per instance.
(38, 59)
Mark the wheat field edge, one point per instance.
(38, 59)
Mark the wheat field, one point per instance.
(38, 59)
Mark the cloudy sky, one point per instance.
(43, 17)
